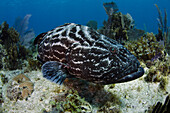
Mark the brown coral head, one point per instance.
(27, 88)
(21, 78)
(20, 87)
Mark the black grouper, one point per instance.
(79, 51)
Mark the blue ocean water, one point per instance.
(48, 14)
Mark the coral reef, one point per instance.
(93, 93)
(33, 64)
(2, 53)
(20, 87)
(159, 71)
(80, 96)
(117, 26)
(4, 79)
(71, 102)
(12, 52)
(35, 94)
(149, 51)
(146, 48)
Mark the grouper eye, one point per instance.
(113, 50)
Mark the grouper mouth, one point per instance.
(131, 76)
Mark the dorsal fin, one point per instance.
(39, 38)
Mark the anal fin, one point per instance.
(54, 71)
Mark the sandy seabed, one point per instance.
(135, 96)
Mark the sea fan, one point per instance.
(21, 25)
(110, 8)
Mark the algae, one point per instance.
(72, 103)
(146, 48)
(4, 79)
(14, 55)
(12, 52)
(152, 56)
(117, 26)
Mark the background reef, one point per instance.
(10, 51)
(13, 52)
(23, 89)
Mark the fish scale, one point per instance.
(82, 52)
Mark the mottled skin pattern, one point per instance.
(88, 55)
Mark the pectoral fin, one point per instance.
(54, 71)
